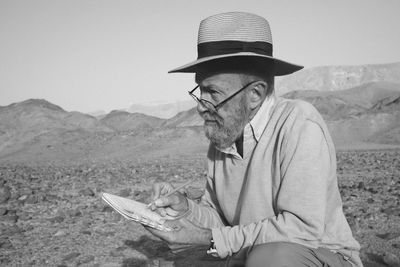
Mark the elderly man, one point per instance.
(272, 196)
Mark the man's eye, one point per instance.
(214, 96)
(208, 91)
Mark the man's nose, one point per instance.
(201, 108)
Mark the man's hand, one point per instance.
(174, 205)
(185, 233)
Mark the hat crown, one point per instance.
(234, 26)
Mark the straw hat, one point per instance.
(236, 34)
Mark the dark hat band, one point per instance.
(209, 49)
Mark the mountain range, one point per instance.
(335, 78)
(324, 78)
(366, 115)
(164, 111)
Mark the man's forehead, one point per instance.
(221, 78)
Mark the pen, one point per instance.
(173, 191)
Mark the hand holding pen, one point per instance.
(168, 201)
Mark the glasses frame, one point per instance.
(217, 106)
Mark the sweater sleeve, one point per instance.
(301, 201)
(206, 214)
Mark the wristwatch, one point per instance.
(212, 250)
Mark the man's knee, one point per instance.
(274, 255)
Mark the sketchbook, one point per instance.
(137, 211)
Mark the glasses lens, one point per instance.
(208, 105)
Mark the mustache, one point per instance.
(209, 116)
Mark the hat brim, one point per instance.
(280, 67)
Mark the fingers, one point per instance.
(167, 201)
(171, 212)
(169, 237)
(161, 189)
(172, 205)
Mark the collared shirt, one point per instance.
(284, 189)
(253, 130)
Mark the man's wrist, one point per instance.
(212, 250)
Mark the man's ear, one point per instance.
(257, 94)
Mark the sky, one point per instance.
(89, 55)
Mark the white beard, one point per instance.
(225, 131)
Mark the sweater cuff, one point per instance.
(194, 211)
(219, 242)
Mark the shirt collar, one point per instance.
(255, 127)
(260, 120)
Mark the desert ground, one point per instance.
(51, 214)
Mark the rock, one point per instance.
(107, 209)
(9, 218)
(372, 190)
(71, 256)
(353, 223)
(87, 192)
(74, 212)
(375, 257)
(12, 230)
(25, 191)
(125, 192)
(32, 199)
(11, 212)
(141, 262)
(57, 219)
(60, 233)
(3, 211)
(370, 200)
(116, 253)
(165, 263)
(396, 245)
(86, 259)
(24, 216)
(5, 261)
(29, 228)
(361, 185)
(137, 193)
(86, 232)
(5, 243)
(23, 198)
(5, 194)
(388, 236)
(104, 232)
(391, 260)
(115, 264)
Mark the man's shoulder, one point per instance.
(296, 109)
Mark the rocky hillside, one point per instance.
(164, 111)
(125, 121)
(369, 113)
(334, 78)
(22, 123)
(185, 118)
(365, 115)
(372, 97)
(36, 130)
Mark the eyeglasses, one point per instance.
(210, 106)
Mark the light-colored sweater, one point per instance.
(284, 188)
